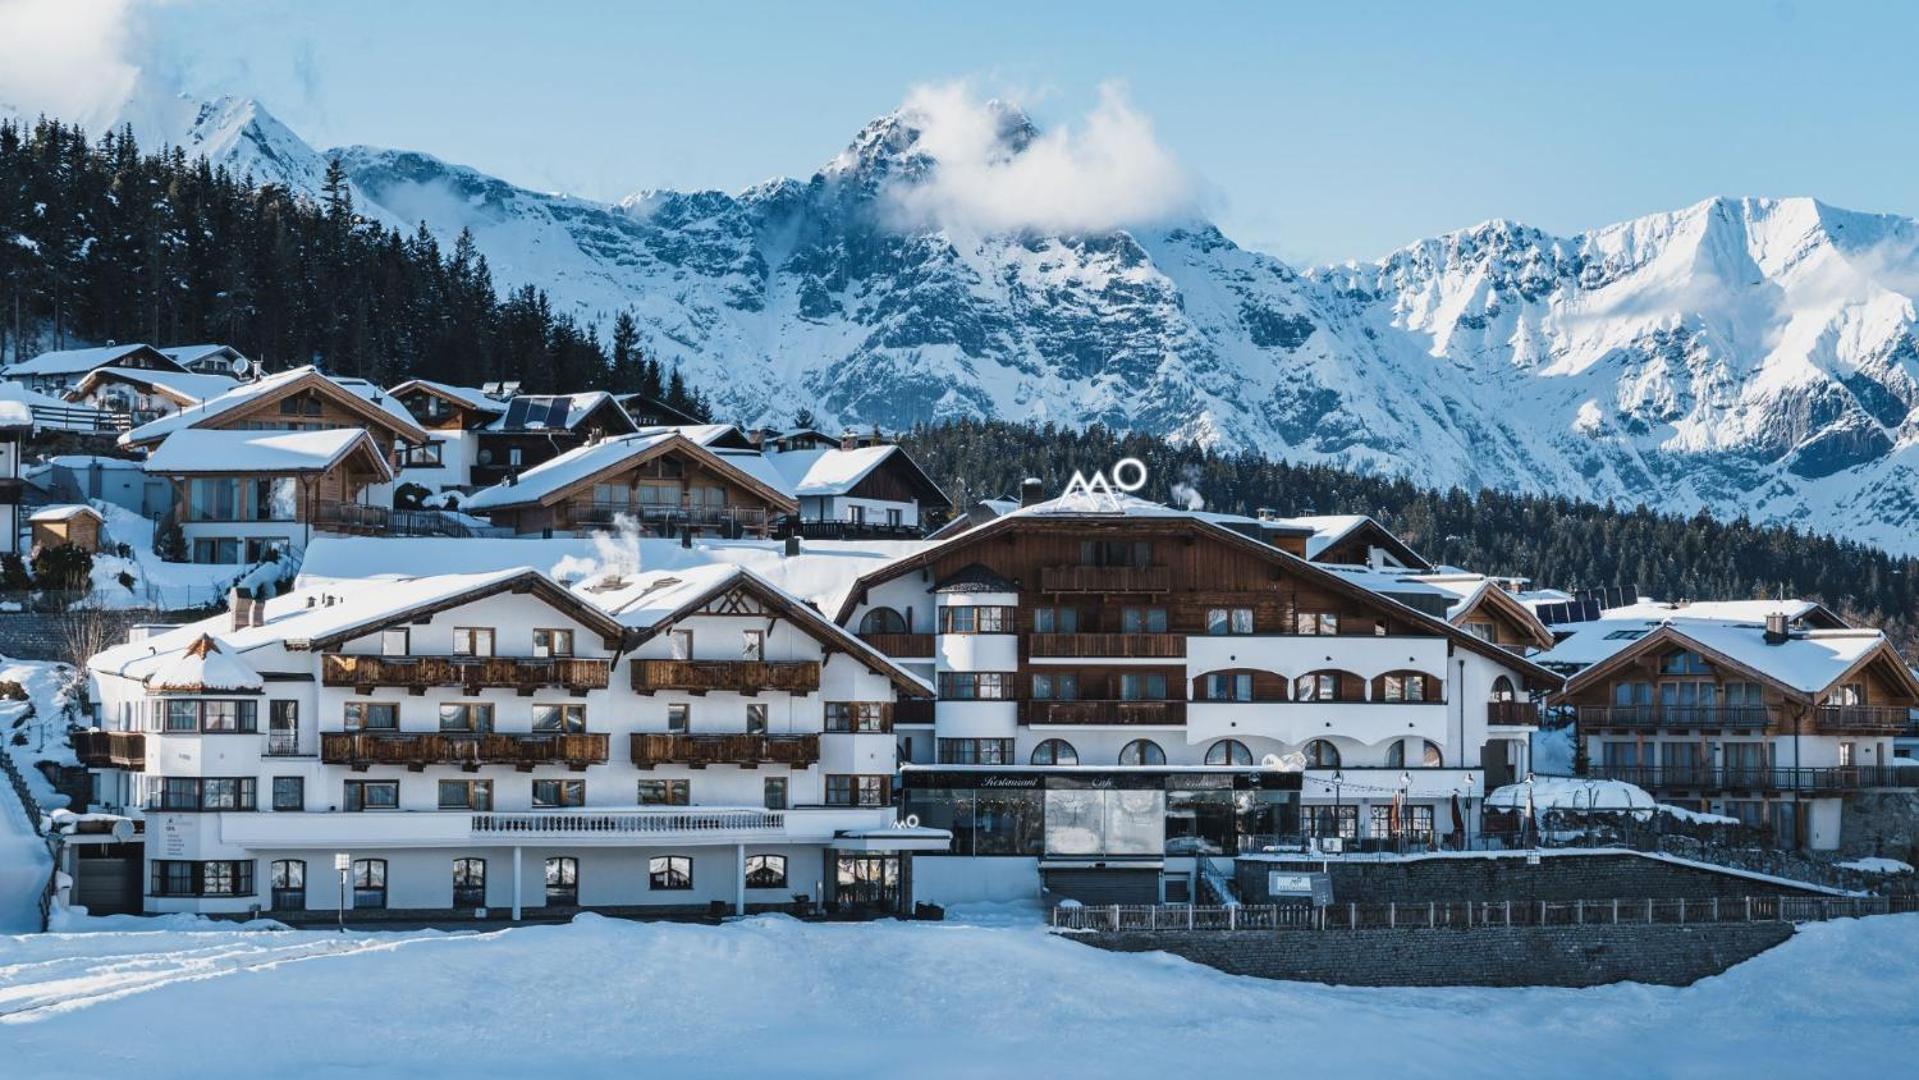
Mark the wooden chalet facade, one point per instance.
(534, 429)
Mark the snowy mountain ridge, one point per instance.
(1746, 356)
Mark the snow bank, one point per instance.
(1874, 864)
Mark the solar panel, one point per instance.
(556, 411)
(516, 413)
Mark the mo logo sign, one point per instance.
(1128, 475)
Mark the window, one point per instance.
(551, 643)
(766, 871)
(216, 549)
(283, 728)
(1415, 822)
(752, 644)
(369, 883)
(1341, 821)
(569, 719)
(1227, 686)
(1684, 662)
(1627, 694)
(976, 685)
(424, 456)
(1503, 689)
(1403, 687)
(1318, 686)
(1484, 631)
(1744, 694)
(1321, 754)
(669, 873)
(288, 880)
(678, 716)
(1847, 752)
(756, 719)
(1055, 620)
(882, 620)
(1851, 693)
(895, 517)
(1142, 620)
(1237, 620)
(1055, 686)
(192, 793)
(229, 498)
(1228, 752)
(515, 456)
(858, 790)
(974, 751)
(372, 794)
(1115, 553)
(469, 883)
(857, 716)
(473, 641)
(775, 793)
(214, 717)
(549, 794)
(1315, 622)
(372, 715)
(978, 620)
(1142, 752)
(1055, 752)
(396, 642)
(1142, 686)
(666, 792)
(289, 793)
(217, 877)
(1425, 753)
(474, 716)
(679, 644)
(563, 881)
(466, 794)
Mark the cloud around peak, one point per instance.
(990, 172)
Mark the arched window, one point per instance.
(289, 884)
(766, 871)
(1425, 753)
(1503, 689)
(1142, 752)
(1055, 752)
(669, 872)
(369, 883)
(563, 881)
(882, 620)
(1228, 752)
(1321, 754)
(469, 883)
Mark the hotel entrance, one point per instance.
(868, 882)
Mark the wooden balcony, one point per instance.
(1674, 717)
(1105, 579)
(417, 673)
(111, 749)
(901, 646)
(1703, 778)
(418, 749)
(1103, 646)
(746, 751)
(1102, 712)
(1861, 719)
(1512, 714)
(738, 676)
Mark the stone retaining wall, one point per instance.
(1558, 876)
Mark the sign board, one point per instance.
(1319, 887)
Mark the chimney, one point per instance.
(1030, 491)
(686, 536)
(239, 606)
(792, 545)
(1267, 513)
(1776, 628)
(849, 440)
(260, 606)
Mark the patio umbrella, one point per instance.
(1459, 824)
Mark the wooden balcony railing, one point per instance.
(1156, 646)
(901, 645)
(111, 749)
(524, 674)
(1737, 778)
(1105, 579)
(1512, 713)
(1102, 712)
(746, 751)
(418, 749)
(1679, 717)
(1862, 719)
(739, 676)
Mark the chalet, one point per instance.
(58, 372)
(211, 360)
(869, 491)
(146, 394)
(452, 417)
(1764, 721)
(16, 427)
(536, 428)
(238, 493)
(301, 399)
(1135, 690)
(1357, 540)
(669, 741)
(664, 482)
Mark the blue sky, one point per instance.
(1315, 131)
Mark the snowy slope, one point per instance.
(1745, 356)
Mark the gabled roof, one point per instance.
(185, 355)
(552, 481)
(1806, 612)
(81, 361)
(828, 472)
(66, 512)
(205, 666)
(1119, 508)
(1803, 666)
(466, 397)
(358, 399)
(184, 387)
(1477, 591)
(651, 603)
(559, 412)
(717, 436)
(218, 450)
(638, 405)
(1329, 530)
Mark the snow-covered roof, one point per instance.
(562, 472)
(15, 414)
(203, 666)
(217, 450)
(760, 467)
(704, 434)
(1734, 610)
(1807, 661)
(64, 512)
(833, 471)
(248, 393)
(191, 386)
(75, 361)
(466, 396)
(188, 354)
(373, 394)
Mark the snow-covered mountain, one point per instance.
(1745, 356)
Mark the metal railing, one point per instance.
(1736, 778)
(359, 518)
(1861, 718)
(848, 529)
(1478, 914)
(74, 418)
(1717, 717)
(630, 822)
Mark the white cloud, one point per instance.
(67, 58)
(1107, 171)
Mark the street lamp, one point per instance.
(1339, 777)
(342, 862)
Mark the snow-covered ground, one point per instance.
(42, 728)
(771, 996)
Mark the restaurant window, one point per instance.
(679, 716)
(469, 716)
(469, 883)
(766, 871)
(372, 795)
(395, 642)
(1410, 822)
(372, 715)
(1055, 686)
(369, 883)
(1228, 752)
(773, 793)
(1316, 623)
(669, 873)
(552, 643)
(1142, 752)
(1220, 621)
(1055, 752)
(553, 794)
(1341, 821)
(289, 793)
(466, 794)
(666, 792)
(1143, 620)
(756, 719)
(565, 718)
(562, 881)
(1055, 620)
(473, 641)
